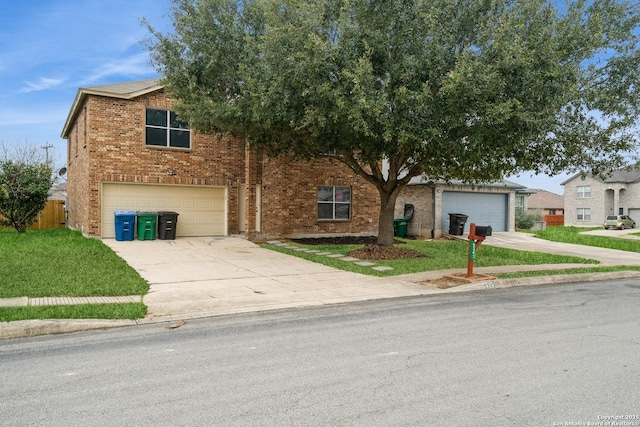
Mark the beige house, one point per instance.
(589, 199)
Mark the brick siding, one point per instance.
(106, 143)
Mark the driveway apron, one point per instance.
(528, 242)
(204, 276)
(208, 276)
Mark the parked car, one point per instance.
(619, 221)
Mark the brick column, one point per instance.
(251, 179)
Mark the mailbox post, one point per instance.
(476, 237)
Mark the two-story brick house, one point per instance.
(589, 199)
(127, 150)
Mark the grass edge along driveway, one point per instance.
(62, 262)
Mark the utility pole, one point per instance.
(46, 149)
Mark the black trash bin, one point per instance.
(167, 223)
(456, 223)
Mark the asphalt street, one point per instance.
(527, 356)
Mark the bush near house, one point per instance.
(24, 189)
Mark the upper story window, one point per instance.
(584, 191)
(334, 203)
(164, 129)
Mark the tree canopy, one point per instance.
(471, 90)
(25, 181)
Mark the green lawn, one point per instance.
(440, 255)
(61, 262)
(81, 311)
(453, 254)
(576, 235)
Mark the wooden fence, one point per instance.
(52, 216)
(551, 220)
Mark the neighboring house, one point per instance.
(58, 191)
(491, 204)
(127, 150)
(589, 199)
(542, 202)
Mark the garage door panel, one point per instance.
(201, 209)
(481, 208)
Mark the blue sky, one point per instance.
(50, 48)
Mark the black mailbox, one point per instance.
(483, 230)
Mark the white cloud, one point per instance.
(33, 116)
(136, 65)
(43, 83)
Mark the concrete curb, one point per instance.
(30, 328)
(546, 280)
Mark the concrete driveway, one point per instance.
(528, 242)
(206, 276)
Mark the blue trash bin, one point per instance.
(125, 225)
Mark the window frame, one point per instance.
(584, 212)
(583, 192)
(169, 129)
(334, 203)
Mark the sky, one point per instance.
(51, 48)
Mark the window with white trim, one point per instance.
(164, 129)
(583, 214)
(584, 191)
(334, 203)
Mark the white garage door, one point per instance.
(201, 209)
(635, 214)
(481, 208)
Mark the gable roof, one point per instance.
(625, 176)
(126, 90)
(543, 199)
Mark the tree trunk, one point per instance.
(385, 221)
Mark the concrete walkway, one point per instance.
(209, 276)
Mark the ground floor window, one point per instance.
(583, 214)
(334, 203)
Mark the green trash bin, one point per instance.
(147, 225)
(400, 227)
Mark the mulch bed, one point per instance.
(339, 240)
(371, 251)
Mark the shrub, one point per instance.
(524, 221)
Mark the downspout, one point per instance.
(433, 212)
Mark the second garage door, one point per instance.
(481, 208)
(202, 209)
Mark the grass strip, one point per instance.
(82, 311)
(585, 270)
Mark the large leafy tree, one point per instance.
(469, 89)
(25, 181)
